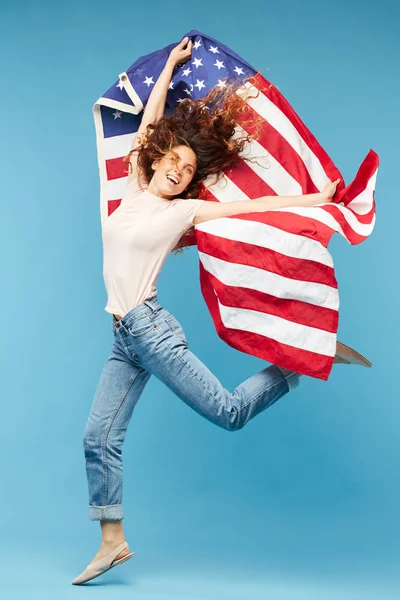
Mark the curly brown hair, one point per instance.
(208, 127)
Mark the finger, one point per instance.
(184, 41)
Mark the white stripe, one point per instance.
(234, 274)
(267, 236)
(268, 168)
(278, 329)
(118, 105)
(116, 188)
(275, 117)
(118, 146)
(362, 203)
(225, 190)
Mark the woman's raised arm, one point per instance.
(155, 106)
(217, 210)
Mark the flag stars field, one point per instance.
(148, 81)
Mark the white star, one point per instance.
(191, 87)
(214, 49)
(188, 92)
(171, 85)
(120, 85)
(219, 64)
(239, 71)
(221, 84)
(186, 72)
(180, 100)
(117, 114)
(196, 45)
(197, 62)
(148, 81)
(200, 84)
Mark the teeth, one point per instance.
(172, 179)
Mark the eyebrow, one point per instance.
(187, 164)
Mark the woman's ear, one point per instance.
(154, 165)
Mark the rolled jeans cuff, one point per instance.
(292, 378)
(102, 513)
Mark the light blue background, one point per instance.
(302, 503)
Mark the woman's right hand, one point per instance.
(181, 52)
(329, 191)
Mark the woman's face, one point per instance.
(174, 172)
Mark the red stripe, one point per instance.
(205, 194)
(295, 311)
(113, 205)
(249, 182)
(276, 145)
(116, 168)
(292, 223)
(301, 361)
(367, 169)
(252, 255)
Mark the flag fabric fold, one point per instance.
(267, 278)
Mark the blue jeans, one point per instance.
(149, 340)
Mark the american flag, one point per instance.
(267, 278)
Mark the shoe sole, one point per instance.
(114, 564)
(352, 356)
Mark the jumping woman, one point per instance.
(170, 158)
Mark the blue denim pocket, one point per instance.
(175, 326)
(141, 325)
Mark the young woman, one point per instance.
(171, 156)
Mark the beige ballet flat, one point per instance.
(98, 567)
(350, 356)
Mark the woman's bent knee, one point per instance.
(231, 422)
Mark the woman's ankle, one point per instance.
(112, 532)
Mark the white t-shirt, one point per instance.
(137, 238)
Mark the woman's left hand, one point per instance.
(329, 191)
(181, 53)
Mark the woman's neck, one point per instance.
(153, 189)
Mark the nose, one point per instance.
(178, 171)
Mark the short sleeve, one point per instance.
(187, 210)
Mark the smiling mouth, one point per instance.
(173, 180)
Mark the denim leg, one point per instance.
(120, 385)
(164, 352)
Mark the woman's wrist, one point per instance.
(171, 63)
(317, 198)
